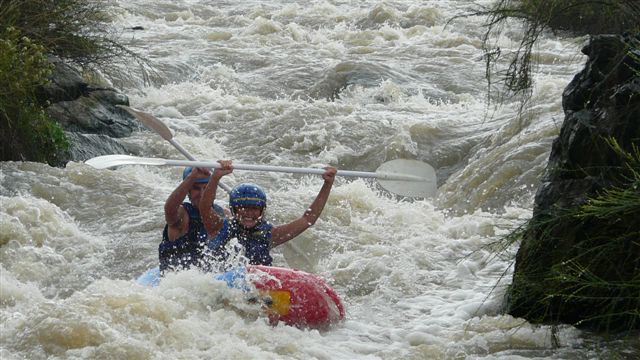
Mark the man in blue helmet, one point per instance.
(247, 203)
(184, 238)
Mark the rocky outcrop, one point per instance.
(566, 266)
(93, 124)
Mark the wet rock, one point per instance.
(65, 84)
(602, 102)
(86, 146)
(95, 113)
(88, 114)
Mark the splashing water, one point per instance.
(351, 84)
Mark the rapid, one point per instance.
(291, 83)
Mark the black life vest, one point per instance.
(187, 250)
(255, 241)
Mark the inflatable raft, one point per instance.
(293, 297)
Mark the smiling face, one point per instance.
(248, 216)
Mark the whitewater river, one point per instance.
(347, 83)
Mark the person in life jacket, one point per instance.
(184, 238)
(247, 203)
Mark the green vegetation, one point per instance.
(76, 31)
(27, 132)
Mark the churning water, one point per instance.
(293, 83)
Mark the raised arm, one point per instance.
(174, 214)
(282, 234)
(212, 222)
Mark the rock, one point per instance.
(88, 114)
(65, 84)
(86, 146)
(95, 114)
(602, 102)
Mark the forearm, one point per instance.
(172, 205)
(212, 222)
(315, 209)
(284, 233)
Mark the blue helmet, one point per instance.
(188, 171)
(247, 195)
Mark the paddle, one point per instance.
(410, 178)
(161, 129)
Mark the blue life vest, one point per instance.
(256, 241)
(187, 250)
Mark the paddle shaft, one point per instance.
(161, 129)
(420, 177)
(184, 152)
(295, 170)
(403, 177)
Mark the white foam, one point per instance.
(419, 278)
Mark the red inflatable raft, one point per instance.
(295, 297)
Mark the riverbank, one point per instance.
(48, 111)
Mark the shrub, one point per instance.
(27, 132)
(76, 31)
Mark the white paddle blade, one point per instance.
(111, 161)
(150, 122)
(424, 186)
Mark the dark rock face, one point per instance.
(88, 114)
(95, 113)
(65, 84)
(602, 102)
(87, 146)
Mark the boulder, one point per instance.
(566, 266)
(88, 113)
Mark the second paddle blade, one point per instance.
(426, 187)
